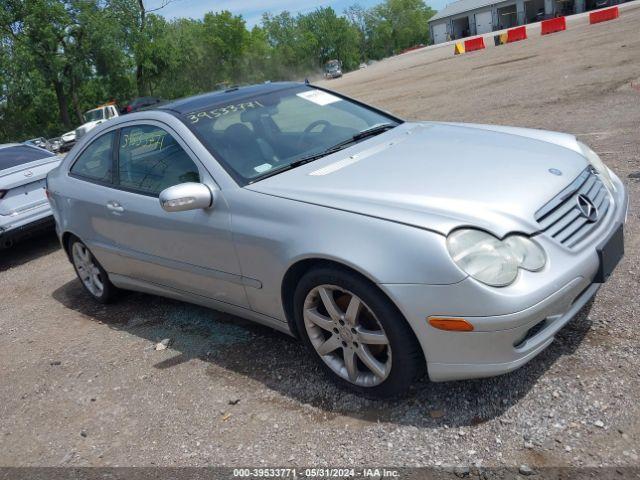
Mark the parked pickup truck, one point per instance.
(95, 117)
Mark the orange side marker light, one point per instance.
(451, 324)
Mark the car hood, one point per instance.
(440, 176)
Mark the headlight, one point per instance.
(529, 255)
(493, 261)
(598, 164)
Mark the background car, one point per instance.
(56, 143)
(139, 103)
(40, 142)
(333, 69)
(24, 208)
(67, 141)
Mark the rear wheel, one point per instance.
(360, 338)
(91, 274)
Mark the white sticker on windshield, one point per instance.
(319, 97)
(263, 168)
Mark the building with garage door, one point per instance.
(476, 17)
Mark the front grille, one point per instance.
(561, 218)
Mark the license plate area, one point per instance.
(610, 252)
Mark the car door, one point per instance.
(88, 191)
(189, 251)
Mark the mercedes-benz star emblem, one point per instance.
(587, 208)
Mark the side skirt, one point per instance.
(127, 283)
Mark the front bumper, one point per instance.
(512, 324)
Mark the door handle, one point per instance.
(115, 206)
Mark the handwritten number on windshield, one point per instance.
(195, 117)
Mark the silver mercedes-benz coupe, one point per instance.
(386, 246)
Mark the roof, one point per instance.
(461, 6)
(206, 100)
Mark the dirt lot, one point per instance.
(81, 384)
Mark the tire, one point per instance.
(92, 276)
(345, 339)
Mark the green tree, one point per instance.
(397, 24)
(59, 58)
(226, 38)
(357, 15)
(326, 36)
(48, 32)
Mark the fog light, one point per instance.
(451, 324)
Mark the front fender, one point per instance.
(272, 234)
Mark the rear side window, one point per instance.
(19, 155)
(96, 161)
(151, 160)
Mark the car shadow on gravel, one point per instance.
(237, 350)
(29, 249)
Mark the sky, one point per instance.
(252, 10)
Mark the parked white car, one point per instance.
(67, 141)
(24, 208)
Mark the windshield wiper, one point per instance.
(372, 131)
(300, 161)
(369, 132)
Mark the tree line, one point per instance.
(59, 58)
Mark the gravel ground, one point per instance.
(83, 385)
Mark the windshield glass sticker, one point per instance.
(263, 168)
(319, 97)
(194, 117)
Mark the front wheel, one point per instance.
(91, 274)
(360, 338)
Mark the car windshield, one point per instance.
(93, 115)
(258, 136)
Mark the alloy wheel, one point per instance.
(347, 335)
(88, 271)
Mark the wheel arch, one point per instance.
(65, 241)
(300, 267)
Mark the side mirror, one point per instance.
(186, 196)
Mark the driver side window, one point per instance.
(150, 160)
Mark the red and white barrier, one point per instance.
(516, 34)
(553, 25)
(604, 15)
(474, 44)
